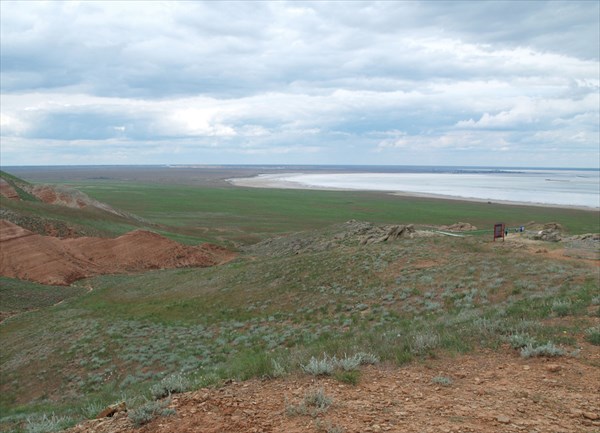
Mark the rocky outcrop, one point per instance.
(387, 234)
(551, 232)
(349, 233)
(459, 227)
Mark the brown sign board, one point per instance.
(499, 231)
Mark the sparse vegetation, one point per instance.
(47, 424)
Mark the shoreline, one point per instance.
(279, 181)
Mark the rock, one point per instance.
(575, 413)
(112, 409)
(503, 419)
(459, 227)
(387, 233)
(548, 235)
(550, 232)
(591, 416)
(553, 368)
(553, 226)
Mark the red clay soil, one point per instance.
(7, 191)
(49, 260)
(51, 195)
(490, 392)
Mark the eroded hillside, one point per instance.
(50, 260)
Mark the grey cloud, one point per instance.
(242, 48)
(251, 76)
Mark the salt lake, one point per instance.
(578, 188)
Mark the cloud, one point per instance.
(250, 80)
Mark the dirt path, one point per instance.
(489, 392)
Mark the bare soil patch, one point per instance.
(586, 250)
(49, 260)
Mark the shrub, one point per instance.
(548, 349)
(423, 342)
(349, 377)
(320, 367)
(91, 410)
(327, 365)
(318, 400)
(278, 369)
(517, 341)
(442, 380)
(562, 307)
(367, 358)
(592, 335)
(348, 363)
(148, 411)
(327, 427)
(314, 403)
(173, 384)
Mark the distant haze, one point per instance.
(425, 83)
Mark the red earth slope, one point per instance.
(49, 260)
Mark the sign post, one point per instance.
(499, 231)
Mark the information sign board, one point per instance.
(499, 231)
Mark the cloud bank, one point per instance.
(455, 83)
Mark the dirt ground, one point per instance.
(49, 260)
(489, 392)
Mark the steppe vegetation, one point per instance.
(326, 310)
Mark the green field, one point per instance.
(272, 309)
(247, 214)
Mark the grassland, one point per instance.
(269, 314)
(246, 214)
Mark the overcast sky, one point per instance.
(426, 83)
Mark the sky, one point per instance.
(386, 83)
